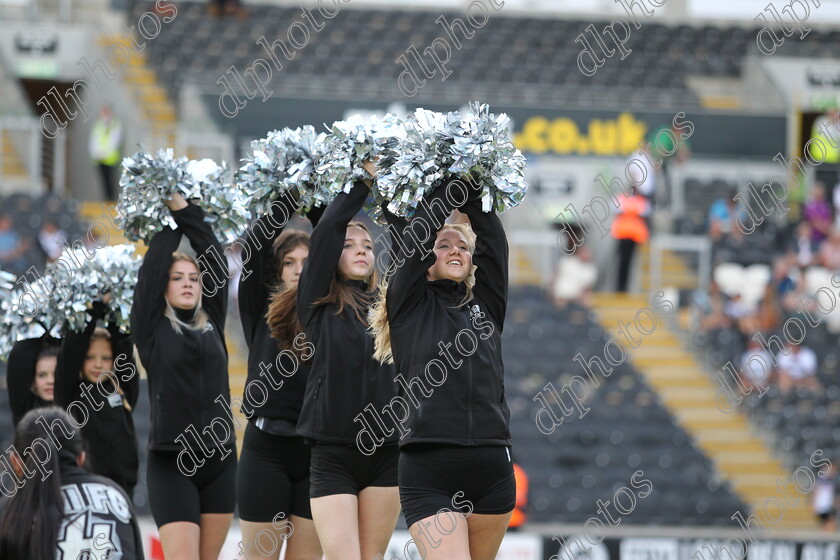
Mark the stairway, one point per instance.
(687, 391)
(12, 168)
(675, 272)
(151, 98)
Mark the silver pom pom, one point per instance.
(28, 312)
(285, 160)
(111, 269)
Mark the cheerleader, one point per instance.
(272, 479)
(95, 369)
(355, 500)
(440, 323)
(178, 328)
(71, 513)
(30, 375)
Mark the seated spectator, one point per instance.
(817, 212)
(12, 247)
(829, 255)
(723, 215)
(712, 308)
(764, 318)
(52, 240)
(575, 278)
(756, 366)
(797, 369)
(803, 246)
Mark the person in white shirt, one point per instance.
(797, 369)
(824, 501)
(50, 239)
(756, 365)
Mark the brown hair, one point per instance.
(200, 319)
(378, 315)
(343, 294)
(282, 317)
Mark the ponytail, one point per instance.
(29, 527)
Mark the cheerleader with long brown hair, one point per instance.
(272, 481)
(354, 496)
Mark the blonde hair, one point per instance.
(378, 315)
(200, 320)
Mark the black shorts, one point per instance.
(453, 478)
(174, 496)
(272, 477)
(343, 469)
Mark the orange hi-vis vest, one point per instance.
(518, 517)
(630, 224)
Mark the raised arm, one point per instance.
(491, 258)
(325, 248)
(71, 359)
(417, 239)
(258, 273)
(122, 349)
(211, 261)
(150, 290)
(20, 373)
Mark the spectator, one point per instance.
(50, 239)
(575, 278)
(723, 215)
(104, 146)
(629, 229)
(804, 246)
(668, 148)
(712, 308)
(817, 212)
(824, 501)
(642, 173)
(12, 247)
(798, 368)
(756, 366)
(829, 254)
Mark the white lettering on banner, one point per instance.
(570, 550)
(771, 550)
(820, 551)
(649, 549)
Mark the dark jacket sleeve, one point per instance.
(152, 278)
(258, 273)
(407, 285)
(491, 258)
(211, 262)
(71, 359)
(122, 345)
(20, 373)
(325, 247)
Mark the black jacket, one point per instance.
(344, 377)
(20, 373)
(259, 279)
(109, 431)
(188, 372)
(468, 406)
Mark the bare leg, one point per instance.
(486, 534)
(214, 530)
(263, 541)
(337, 523)
(435, 545)
(180, 540)
(303, 544)
(379, 508)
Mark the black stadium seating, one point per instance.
(362, 46)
